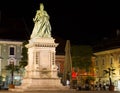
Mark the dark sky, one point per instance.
(82, 22)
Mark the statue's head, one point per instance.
(41, 6)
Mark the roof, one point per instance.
(107, 44)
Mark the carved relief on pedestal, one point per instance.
(54, 71)
(45, 73)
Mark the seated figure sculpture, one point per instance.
(42, 27)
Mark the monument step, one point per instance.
(46, 88)
(40, 88)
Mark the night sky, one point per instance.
(82, 22)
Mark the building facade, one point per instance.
(10, 52)
(107, 58)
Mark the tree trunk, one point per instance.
(12, 77)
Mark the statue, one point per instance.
(42, 27)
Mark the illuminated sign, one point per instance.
(74, 75)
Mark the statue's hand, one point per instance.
(34, 19)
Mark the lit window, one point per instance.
(96, 62)
(119, 59)
(103, 62)
(111, 60)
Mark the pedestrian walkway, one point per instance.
(60, 91)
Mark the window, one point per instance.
(11, 61)
(103, 61)
(12, 50)
(111, 60)
(96, 62)
(119, 71)
(119, 59)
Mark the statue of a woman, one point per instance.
(42, 27)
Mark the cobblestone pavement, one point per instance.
(60, 91)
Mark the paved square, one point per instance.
(60, 91)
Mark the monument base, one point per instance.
(37, 84)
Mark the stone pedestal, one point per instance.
(41, 71)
